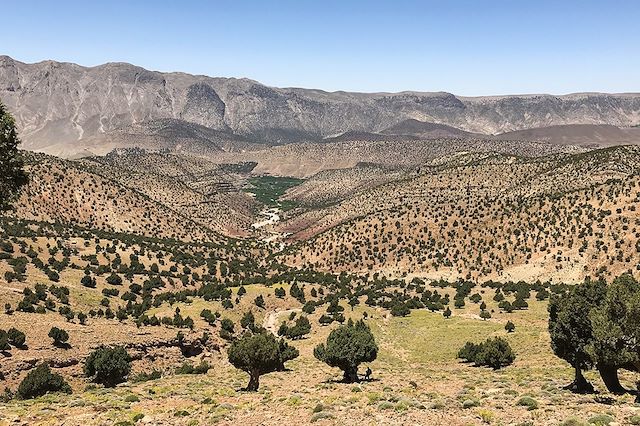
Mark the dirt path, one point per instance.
(271, 322)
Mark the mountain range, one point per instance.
(66, 109)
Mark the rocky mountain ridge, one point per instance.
(59, 104)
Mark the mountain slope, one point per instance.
(65, 102)
(588, 135)
(497, 217)
(72, 194)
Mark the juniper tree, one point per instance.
(571, 330)
(615, 341)
(347, 347)
(259, 354)
(12, 174)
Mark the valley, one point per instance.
(192, 250)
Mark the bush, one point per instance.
(4, 341)
(114, 279)
(145, 377)
(108, 365)
(301, 328)
(41, 381)
(527, 401)
(601, 420)
(16, 337)
(59, 336)
(188, 368)
(468, 352)
(510, 327)
(495, 353)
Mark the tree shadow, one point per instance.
(62, 345)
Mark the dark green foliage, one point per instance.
(145, 377)
(248, 321)
(87, 281)
(309, 307)
(114, 279)
(468, 352)
(279, 292)
(347, 347)
(16, 337)
(268, 189)
(259, 301)
(40, 381)
(400, 310)
(108, 365)
(615, 341)
(59, 336)
(4, 341)
(12, 175)
(259, 354)
(510, 327)
(188, 368)
(325, 320)
(301, 328)
(208, 316)
(570, 327)
(495, 353)
(226, 329)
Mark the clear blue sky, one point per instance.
(470, 47)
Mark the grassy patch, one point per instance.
(268, 189)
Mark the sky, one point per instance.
(466, 47)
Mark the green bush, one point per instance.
(495, 353)
(4, 341)
(108, 365)
(188, 368)
(145, 377)
(16, 337)
(59, 336)
(40, 381)
(527, 401)
(601, 420)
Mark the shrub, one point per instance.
(510, 327)
(108, 365)
(302, 327)
(325, 320)
(321, 416)
(145, 377)
(494, 353)
(4, 340)
(16, 337)
(188, 368)
(527, 401)
(59, 336)
(41, 380)
(470, 403)
(468, 352)
(114, 279)
(601, 420)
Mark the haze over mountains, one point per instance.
(68, 110)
